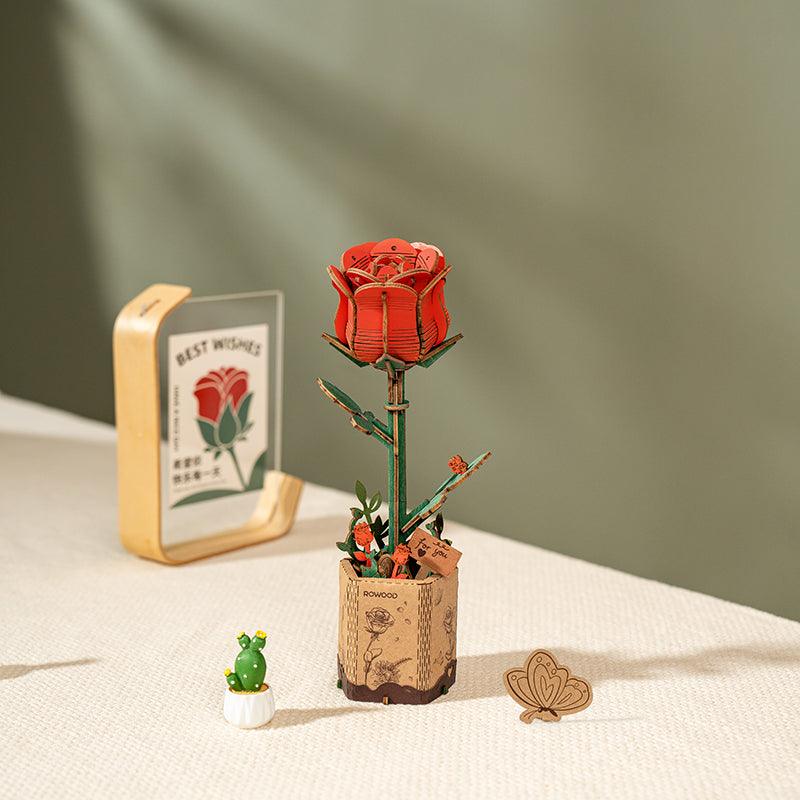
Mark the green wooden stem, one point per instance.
(397, 457)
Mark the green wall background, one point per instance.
(616, 184)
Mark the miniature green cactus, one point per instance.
(250, 666)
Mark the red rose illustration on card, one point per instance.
(217, 413)
(222, 407)
(214, 390)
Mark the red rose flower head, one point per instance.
(401, 554)
(363, 535)
(391, 300)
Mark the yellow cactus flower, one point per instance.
(261, 634)
(227, 672)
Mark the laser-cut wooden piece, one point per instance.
(546, 689)
(433, 553)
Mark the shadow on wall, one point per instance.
(56, 345)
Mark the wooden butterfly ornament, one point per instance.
(546, 689)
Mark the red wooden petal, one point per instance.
(440, 313)
(340, 320)
(430, 258)
(440, 262)
(417, 279)
(402, 337)
(387, 271)
(430, 328)
(434, 317)
(358, 277)
(350, 330)
(357, 256)
(368, 331)
(393, 247)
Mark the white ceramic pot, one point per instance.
(249, 709)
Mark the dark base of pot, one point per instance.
(396, 693)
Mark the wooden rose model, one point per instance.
(397, 619)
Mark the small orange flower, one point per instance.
(457, 465)
(363, 535)
(401, 554)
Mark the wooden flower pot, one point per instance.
(397, 638)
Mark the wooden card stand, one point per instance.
(137, 398)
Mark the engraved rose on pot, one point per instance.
(391, 300)
(379, 620)
(449, 625)
(449, 619)
(387, 672)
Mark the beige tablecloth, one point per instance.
(111, 678)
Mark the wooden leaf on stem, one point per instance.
(361, 420)
(430, 507)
